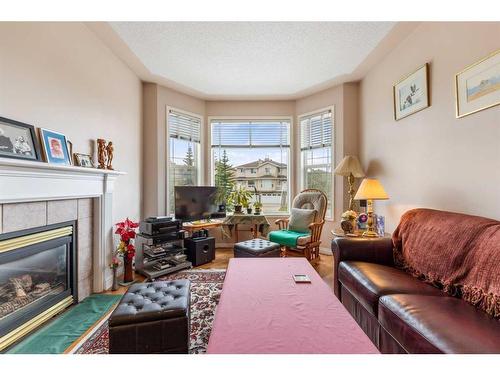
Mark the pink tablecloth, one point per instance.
(262, 310)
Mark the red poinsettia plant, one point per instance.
(126, 230)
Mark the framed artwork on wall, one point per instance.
(55, 147)
(411, 94)
(18, 140)
(477, 87)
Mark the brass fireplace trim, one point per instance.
(21, 331)
(32, 239)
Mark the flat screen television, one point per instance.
(196, 203)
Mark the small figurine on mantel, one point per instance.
(105, 154)
(109, 152)
(101, 153)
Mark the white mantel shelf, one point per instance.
(23, 180)
(28, 164)
(31, 181)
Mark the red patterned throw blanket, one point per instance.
(455, 252)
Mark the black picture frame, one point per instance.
(34, 140)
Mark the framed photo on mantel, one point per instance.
(477, 87)
(411, 94)
(55, 147)
(18, 140)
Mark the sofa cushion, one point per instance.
(367, 282)
(432, 324)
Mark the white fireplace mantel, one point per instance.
(30, 181)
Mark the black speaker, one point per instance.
(200, 250)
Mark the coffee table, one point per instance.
(262, 310)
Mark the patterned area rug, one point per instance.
(206, 286)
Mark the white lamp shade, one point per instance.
(371, 188)
(350, 164)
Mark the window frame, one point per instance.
(199, 174)
(301, 166)
(291, 148)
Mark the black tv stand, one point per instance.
(161, 254)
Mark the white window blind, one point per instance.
(316, 130)
(250, 133)
(184, 126)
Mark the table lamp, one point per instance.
(370, 189)
(350, 167)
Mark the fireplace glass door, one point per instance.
(37, 274)
(27, 279)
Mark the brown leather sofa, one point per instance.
(400, 313)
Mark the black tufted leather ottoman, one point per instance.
(256, 248)
(151, 318)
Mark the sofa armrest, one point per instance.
(372, 250)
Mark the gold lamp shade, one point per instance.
(350, 165)
(371, 188)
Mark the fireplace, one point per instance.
(37, 278)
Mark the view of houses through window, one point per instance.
(253, 155)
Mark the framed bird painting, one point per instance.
(411, 94)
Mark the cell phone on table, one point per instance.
(301, 279)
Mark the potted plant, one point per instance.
(126, 249)
(258, 208)
(258, 204)
(222, 195)
(239, 197)
(249, 208)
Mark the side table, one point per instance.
(338, 232)
(259, 225)
(198, 225)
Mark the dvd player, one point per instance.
(158, 239)
(160, 227)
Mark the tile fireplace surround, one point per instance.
(35, 194)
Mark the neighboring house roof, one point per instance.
(258, 163)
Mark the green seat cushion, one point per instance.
(286, 237)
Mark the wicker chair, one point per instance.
(308, 245)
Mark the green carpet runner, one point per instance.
(57, 335)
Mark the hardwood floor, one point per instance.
(324, 267)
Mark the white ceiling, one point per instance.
(235, 59)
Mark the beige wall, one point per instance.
(62, 77)
(251, 108)
(156, 99)
(431, 159)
